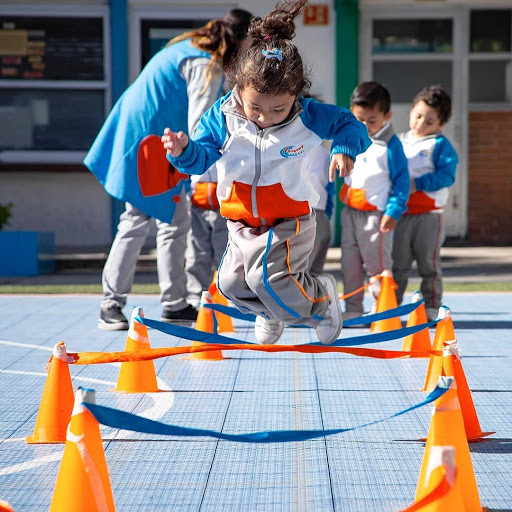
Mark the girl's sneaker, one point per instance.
(329, 328)
(268, 331)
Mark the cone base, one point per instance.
(115, 390)
(195, 358)
(478, 438)
(34, 440)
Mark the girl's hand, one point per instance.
(343, 163)
(174, 143)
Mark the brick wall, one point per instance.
(490, 178)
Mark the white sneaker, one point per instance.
(268, 331)
(329, 328)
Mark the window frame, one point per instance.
(43, 157)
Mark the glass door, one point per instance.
(406, 50)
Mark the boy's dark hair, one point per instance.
(371, 94)
(436, 97)
(279, 71)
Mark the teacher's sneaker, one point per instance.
(329, 328)
(268, 331)
(112, 319)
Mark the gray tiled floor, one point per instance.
(370, 469)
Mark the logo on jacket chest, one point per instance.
(289, 151)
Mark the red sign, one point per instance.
(316, 14)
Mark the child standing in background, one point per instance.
(319, 169)
(375, 195)
(432, 165)
(207, 237)
(260, 136)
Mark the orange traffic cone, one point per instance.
(438, 493)
(205, 323)
(83, 482)
(443, 335)
(137, 376)
(57, 400)
(385, 301)
(447, 429)
(224, 322)
(5, 507)
(420, 340)
(452, 365)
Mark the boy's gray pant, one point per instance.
(207, 241)
(322, 243)
(264, 271)
(420, 237)
(171, 241)
(365, 252)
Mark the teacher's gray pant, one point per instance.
(171, 242)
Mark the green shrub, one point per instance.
(5, 214)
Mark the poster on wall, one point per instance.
(42, 48)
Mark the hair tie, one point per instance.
(272, 53)
(266, 38)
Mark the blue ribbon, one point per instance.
(124, 420)
(361, 320)
(205, 337)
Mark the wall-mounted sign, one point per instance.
(316, 14)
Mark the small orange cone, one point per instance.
(385, 301)
(57, 400)
(452, 365)
(5, 507)
(137, 376)
(447, 429)
(205, 323)
(419, 341)
(444, 334)
(224, 322)
(83, 482)
(439, 493)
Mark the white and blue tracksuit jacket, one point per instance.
(432, 165)
(380, 179)
(263, 174)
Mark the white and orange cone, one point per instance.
(386, 301)
(137, 376)
(205, 323)
(419, 341)
(83, 482)
(56, 401)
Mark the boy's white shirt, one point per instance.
(420, 153)
(371, 172)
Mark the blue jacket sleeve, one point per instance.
(329, 205)
(203, 149)
(445, 162)
(400, 182)
(338, 124)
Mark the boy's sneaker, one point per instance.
(112, 319)
(188, 314)
(268, 331)
(329, 328)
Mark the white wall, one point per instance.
(73, 205)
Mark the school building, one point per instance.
(63, 63)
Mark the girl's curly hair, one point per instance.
(271, 75)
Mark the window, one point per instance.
(490, 57)
(54, 88)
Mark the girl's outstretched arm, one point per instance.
(342, 163)
(174, 143)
